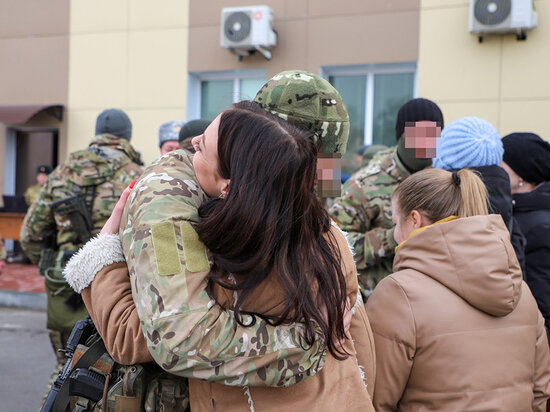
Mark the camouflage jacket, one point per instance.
(187, 332)
(31, 194)
(105, 168)
(364, 212)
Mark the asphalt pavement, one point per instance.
(26, 359)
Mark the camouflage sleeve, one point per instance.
(187, 332)
(359, 329)
(2, 250)
(37, 223)
(355, 213)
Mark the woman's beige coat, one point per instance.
(455, 327)
(340, 385)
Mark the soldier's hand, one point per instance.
(112, 225)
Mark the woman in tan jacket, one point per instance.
(285, 262)
(455, 327)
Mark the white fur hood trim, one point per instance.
(99, 252)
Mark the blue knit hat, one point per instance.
(468, 142)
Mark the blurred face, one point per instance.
(329, 174)
(206, 161)
(423, 136)
(41, 178)
(403, 225)
(169, 146)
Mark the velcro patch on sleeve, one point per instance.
(194, 250)
(166, 248)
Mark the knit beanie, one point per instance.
(114, 121)
(192, 128)
(169, 131)
(528, 155)
(468, 142)
(416, 110)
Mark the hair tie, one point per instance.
(456, 179)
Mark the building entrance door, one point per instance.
(33, 148)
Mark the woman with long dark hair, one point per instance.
(277, 260)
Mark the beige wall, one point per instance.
(502, 80)
(132, 55)
(311, 34)
(34, 48)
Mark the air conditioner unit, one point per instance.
(247, 29)
(502, 16)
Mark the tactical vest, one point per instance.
(97, 383)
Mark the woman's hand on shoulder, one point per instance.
(112, 225)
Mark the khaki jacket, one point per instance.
(455, 327)
(339, 386)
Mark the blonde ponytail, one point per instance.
(473, 194)
(439, 194)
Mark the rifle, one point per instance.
(75, 209)
(81, 331)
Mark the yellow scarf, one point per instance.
(420, 229)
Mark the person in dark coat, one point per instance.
(527, 161)
(474, 143)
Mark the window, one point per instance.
(373, 94)
(212, 92)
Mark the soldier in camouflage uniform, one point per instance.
(72, 206)
(364, 209)
(169, 266)
(31, 194)
(313, 104)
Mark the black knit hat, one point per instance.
(528, 155)
(115, 122)
(416, 110)
(193, 128)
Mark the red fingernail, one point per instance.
(133, 184)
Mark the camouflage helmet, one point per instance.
(310, 103)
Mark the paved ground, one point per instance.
(26, 359)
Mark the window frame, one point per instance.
(369, 71)
(195, 79)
